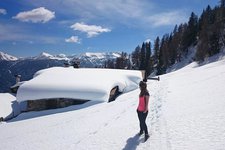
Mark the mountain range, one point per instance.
(26, 67)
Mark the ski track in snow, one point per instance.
(159, 136)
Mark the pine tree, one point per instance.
(221, 25)
(222, 3)
(215, 32)
(147, 58)
(156, 51)
(163, 56)
(190, 34)
(179, 43)
(176, 43)
(135, 57)
(110, 64)
(171, 50)
(142, 57)
(214, 44)
(121, 62)
(193, 28)
(165, 48)
(203, 48)
(184, 43)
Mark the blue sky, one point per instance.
(29, 27)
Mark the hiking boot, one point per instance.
(146, 137)
(140, 133)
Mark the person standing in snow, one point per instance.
(142, 109)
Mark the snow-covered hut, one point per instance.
(78, 84)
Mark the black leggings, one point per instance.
(142, 117)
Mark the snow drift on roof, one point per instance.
(86, 84)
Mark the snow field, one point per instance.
(195, 107)
(186, 112)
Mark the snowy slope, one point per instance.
(184, 60)
(186, 112)
(5, 104)
(8, 106)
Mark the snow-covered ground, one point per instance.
(186, 112)
(9, 107)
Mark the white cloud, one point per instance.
(91, 30)
(131, 13)
(101, 8)
(36, 15)
(73, 39)
(3, 11)
(167, 18)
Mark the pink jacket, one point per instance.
(141, 105)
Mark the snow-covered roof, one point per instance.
(87, 84)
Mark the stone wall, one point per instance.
(44, 104)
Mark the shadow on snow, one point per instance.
(34, 114)
(132, 143)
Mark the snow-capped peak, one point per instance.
(45, 55)
(4, 56)
(101, 55)
(93, 59)
(98, 55)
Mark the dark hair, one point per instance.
(143, 88)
